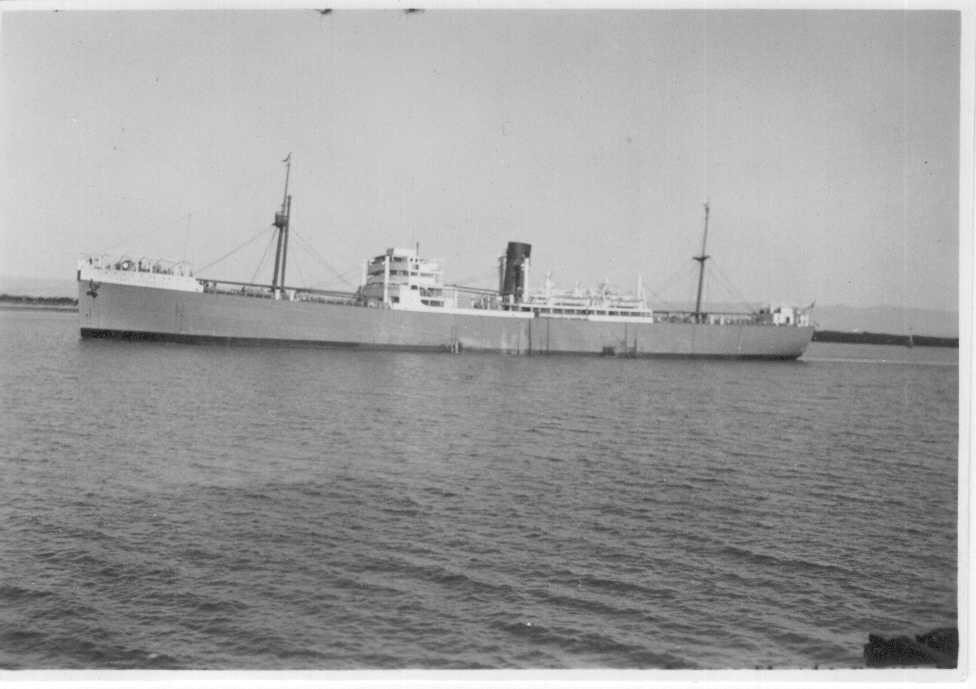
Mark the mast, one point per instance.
(281, 222)
(701, 268)
(284, 244)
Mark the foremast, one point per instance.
(281, 222)
(701, 268)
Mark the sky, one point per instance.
(826, 142)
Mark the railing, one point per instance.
(142, 264)
(491, 302)
(264, 291)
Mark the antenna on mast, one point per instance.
(287, 162)
(701, 268)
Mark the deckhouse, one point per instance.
(400, 278)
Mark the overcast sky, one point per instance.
(826, 141)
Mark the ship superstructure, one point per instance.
(400, 278)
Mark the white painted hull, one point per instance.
(137, 312)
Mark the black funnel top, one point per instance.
(513, 282)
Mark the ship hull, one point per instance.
(145, 313)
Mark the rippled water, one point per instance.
(180, 506)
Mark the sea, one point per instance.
(172, 506)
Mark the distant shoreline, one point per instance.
(16, 302)
(6, 306)
(843, 337)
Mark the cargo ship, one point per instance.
(404, 303)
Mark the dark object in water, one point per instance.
(939, 647)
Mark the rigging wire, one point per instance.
(717, 289)
(316, 254)
(669, 282)
(301, 274)
(343, 276)
(483, 275)
(309, 249)
(727, 291)
(731, 285)
(153, 229)
(233, 251)
(264, 257)
(718, 286)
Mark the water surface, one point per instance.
(193, 506)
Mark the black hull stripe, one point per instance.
(140, 336)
